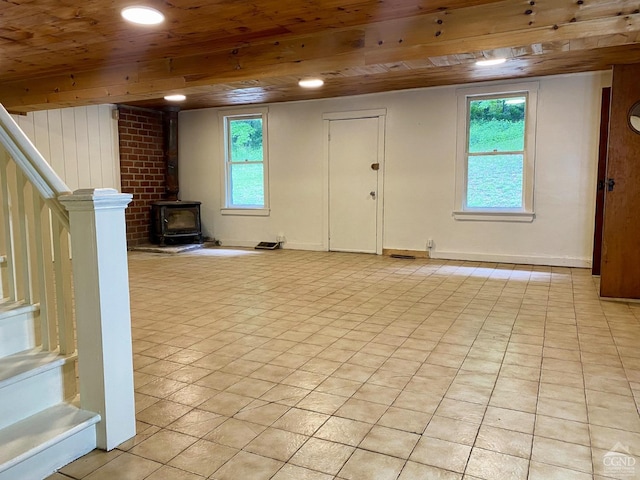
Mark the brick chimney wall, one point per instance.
(142, 169)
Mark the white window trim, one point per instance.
(249, 210)
(527, 212)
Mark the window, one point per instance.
(245, 161)
(496, 146)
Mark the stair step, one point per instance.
(17, 326)
(33, 380)
(37, 446)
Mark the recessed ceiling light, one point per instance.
(142, 15)
(311, 82)
(490, 62)
(175, 98)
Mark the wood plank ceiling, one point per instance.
(59, 53)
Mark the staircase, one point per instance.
(54, 387)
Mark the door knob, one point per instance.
(373, 194)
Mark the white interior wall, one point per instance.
(419, 175)
(80, 143)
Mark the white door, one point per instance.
(353, 184)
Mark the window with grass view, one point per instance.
(245, 161)
(496, 152)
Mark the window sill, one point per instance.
(251, 212)
(523, 217)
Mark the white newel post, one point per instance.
(103, 316)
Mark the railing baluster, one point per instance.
(22, 237)
(6, 220)
(62, 274)
(44, 272)
(4, 270)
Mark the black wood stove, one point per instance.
(175, 221)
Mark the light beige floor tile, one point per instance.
(248, 465)
(542, 471)
(292, 472)
(509, 419)
(389, 441)
(325, 403)
(562, 409)
(125, 467)
(162, 413)
(365, 465)
(377, 394)
(276, 444)
(361, 410)
(170, 473)
(235, 433)
(504, 441)
(163, 446)
(407, 420)
(301, 421)
(264, 414)
(323, 456)
(460, 410)
(563, 430)
(413, 471)
(496, 466)
(339, 337)
(452, 430)
(225, 403)
(203, 458)
(343, 430)
(441, 454)
(89, 462)
(562, 454)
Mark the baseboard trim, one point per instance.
(411, 253)
(515, 259)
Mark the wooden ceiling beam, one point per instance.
(434, 39)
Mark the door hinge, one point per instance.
(601, 184)
(610, 184)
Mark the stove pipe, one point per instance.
(170, 130)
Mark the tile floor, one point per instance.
(293, 365)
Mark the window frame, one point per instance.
(464, 96)
(225, 117)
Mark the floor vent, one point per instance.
(268, 246)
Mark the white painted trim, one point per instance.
(517, 259)
(254, 212)
(222, 119)
(463, 94)
(350, 115)
(381, 115)
(315, 247)
(484, 216)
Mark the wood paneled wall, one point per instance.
(80, 143)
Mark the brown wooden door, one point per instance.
(620, 268)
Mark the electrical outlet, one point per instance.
(280, 238)
(430, 243)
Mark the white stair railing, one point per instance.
(42, 224)
(33, 235)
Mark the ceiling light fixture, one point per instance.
(490, 62)
(311, 82)
(142, 15)
(178, 97)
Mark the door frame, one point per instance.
(601, 178)
(380, 114)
